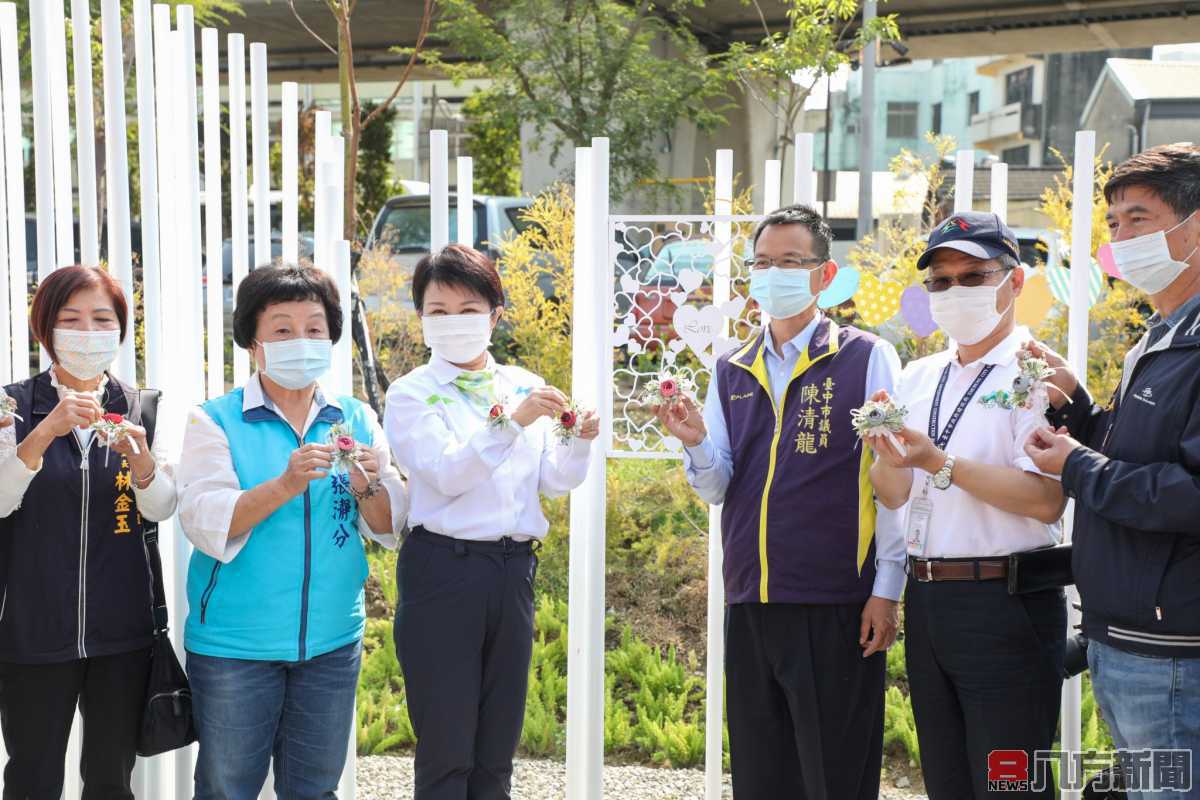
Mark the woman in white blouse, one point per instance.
(477, 442)
(75, 620)
(278, 479)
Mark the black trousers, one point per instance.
(805, 708)
(37, 706)
(984, 670)
(464, 638)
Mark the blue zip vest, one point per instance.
(295, 591)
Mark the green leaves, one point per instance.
(577, 70)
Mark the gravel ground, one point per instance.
(390, 778)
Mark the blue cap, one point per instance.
(974, 233)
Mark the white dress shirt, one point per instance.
(469, 479)
(209, 488)
(156, 502)
(962, 525)
(709, 465)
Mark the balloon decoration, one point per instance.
(877, 301)
(843, 287)
(1035, 301)
(1109, 264)
(914, 308)
(1060, 283)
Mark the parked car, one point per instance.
(403, 226)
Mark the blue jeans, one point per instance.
(1149, 702)
(248, 711)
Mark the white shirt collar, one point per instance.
(444, 372)
(1002, 355)
(253, 396)
(98, 392)
(797, 343)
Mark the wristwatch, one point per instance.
(941, 478)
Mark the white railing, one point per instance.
(180, 225)
(176, 218)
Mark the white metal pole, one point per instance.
(14, 176)
(210, 44)
(148, 185)
(85, 138)
(43, 143)
(439, 192)
(291, 171)
(166, 192)
(8, 298)
(804, 182)
(239, 208)
(714, 717)
(116, 171)
(260, 133)
(193, 267)
(1000, 191)
(866, 130)
(598, 394)
(466, 201)
(583, 763)
(323, 235)
(772, 179)
(1077, 347)
(964, 180)
(60, 116)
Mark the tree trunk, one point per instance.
(352, 130)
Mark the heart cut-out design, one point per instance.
(689, 280)
(699, 328)
(629, 284)
(734, 307)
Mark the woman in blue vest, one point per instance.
(478, 443)
(275, 584)
(75, 619)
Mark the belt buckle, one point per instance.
(928, 576)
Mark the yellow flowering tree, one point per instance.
(541, 257)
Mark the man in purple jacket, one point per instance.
(812, 569)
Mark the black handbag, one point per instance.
(1044, 568)
(167, 715)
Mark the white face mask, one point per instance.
(968, 313)
(1145, 261)
(86, 354)
(297, 363)
(457, 338)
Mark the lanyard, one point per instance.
(943, 439)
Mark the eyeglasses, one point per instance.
(783, 263)
(971, 279)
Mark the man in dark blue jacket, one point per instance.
(1133, 469)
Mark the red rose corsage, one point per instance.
(567, 426)
(498, 416)
(112, 428)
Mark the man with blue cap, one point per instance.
(984, 664)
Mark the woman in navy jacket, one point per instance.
(75, 618)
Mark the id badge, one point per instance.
(920, 511)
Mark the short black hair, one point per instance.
(1171, 171)
(284, 283)
(460, 266)
(800, 214)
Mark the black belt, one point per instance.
(506, 545)
(926, 570)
